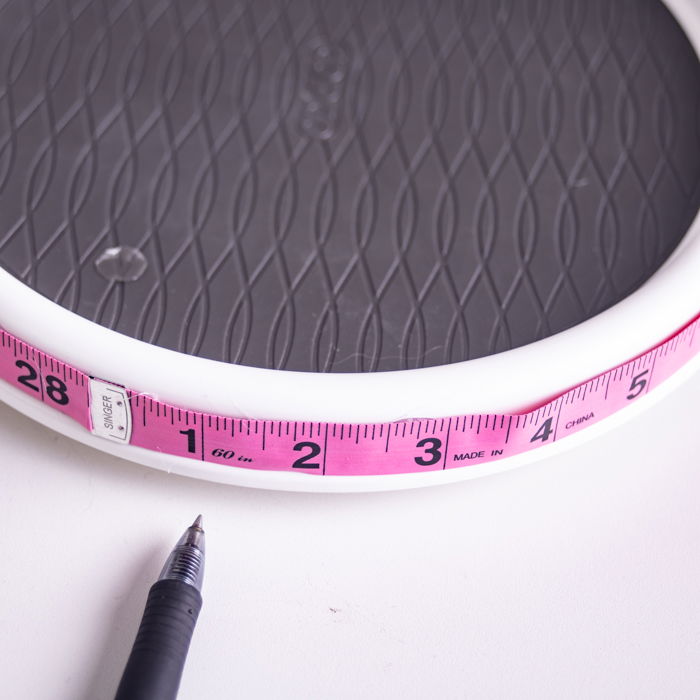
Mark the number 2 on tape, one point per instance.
(126, 416)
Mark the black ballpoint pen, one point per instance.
(155, 664)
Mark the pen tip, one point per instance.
(197, 522)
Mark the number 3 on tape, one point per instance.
(125, 416)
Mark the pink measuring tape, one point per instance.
(420, 445)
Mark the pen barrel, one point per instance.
(155, 664)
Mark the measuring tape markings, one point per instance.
(409, 446)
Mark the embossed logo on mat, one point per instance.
(322, 89)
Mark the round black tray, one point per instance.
(344, 186)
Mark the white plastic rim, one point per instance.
(285, 481)
(505, 383)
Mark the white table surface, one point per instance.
(575, 577)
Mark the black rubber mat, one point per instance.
(343, 185)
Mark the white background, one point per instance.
(575, 577)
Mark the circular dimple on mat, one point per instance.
(121, 264)
(344, 186)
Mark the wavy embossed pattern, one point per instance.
(345, 185)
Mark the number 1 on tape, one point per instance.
(125, 416)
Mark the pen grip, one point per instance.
(155, 664)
